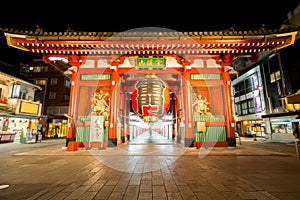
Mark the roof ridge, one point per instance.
(230, 31)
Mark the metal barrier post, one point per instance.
(238, 136)
(297, 146)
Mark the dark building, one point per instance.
(266, 91)
(55, 94)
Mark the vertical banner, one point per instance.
(97, 129)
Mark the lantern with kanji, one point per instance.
(151, 98)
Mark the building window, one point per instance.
(63, 110)
(22, 95)
(52, 110)
(57, 110)
(39, 96)
(67, 83)
(15, 91)
(244, 108)
(53, 81)
(38, 69)
(258, 104)
(242, 88)
(249, 84)
(275, 76)
(251, 106)
(238, 109)
(276, 102)
(40, 81)
(255, 82)
(236, 90)
(52, 95)
(282, 127)
(66, 97)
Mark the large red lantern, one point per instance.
(151, 98)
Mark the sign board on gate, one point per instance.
(97, 129)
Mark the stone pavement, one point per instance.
(253, 170)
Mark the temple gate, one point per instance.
(121, 82)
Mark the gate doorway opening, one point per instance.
(151, 108)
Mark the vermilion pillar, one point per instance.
(71, 134)
(189, 128)
(122, 111)
(229, 111)
(174, 114)
(114, 106)
(126, 115)
(178, 119)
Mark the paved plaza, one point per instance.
(153, 169)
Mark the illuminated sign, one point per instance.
(90, 77)
(150, 63)
(205, 77)
(28, 108)
(255, 81)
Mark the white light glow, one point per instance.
(58, 59)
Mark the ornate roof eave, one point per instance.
(155, 34)
(147, 43)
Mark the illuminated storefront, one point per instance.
(19, 114)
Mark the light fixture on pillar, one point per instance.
(112, 67)
(230, 70)
(188, 67)
(57, 58)
(71, 70)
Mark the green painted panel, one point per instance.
(119, 133)
(215, 134)
(212, 134)
(209, 118)
(199, 137)
(82, 134)
(182, 133)
(105, 134)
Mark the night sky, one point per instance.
(106, 16)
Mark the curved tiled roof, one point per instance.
(147, 41)
(154, 34)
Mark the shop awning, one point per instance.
(285, 114)
(293, 98)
